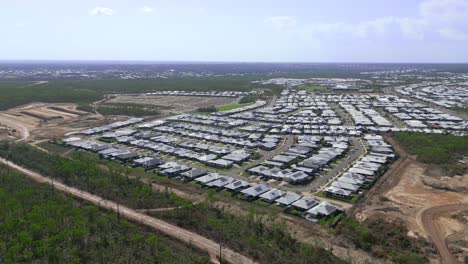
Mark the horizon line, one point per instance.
(212, 62)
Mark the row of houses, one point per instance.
(103, 149)
(312, 208)
(364, 171)
(115, 125)
(365, 116)
(229, 137)
(447, 94)
(296, 165)
(223, 122)
(215, 160)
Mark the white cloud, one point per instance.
(146, 9)
(282, 22)
(412, 28)
(101, 11)
(446, 18)
(453, 34)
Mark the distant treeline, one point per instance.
(127, 109)
(12, 95)
(87, 91)
(42, 225)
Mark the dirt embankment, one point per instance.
(168, 105)
(42, 121)
(407, 193)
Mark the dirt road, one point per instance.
(429, 221)
(184, 235)
(22, 130)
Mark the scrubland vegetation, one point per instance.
(86, 91)
(384, 239)
(444, 150)
(258, 236)
(127, 109)
(262, 239)
(42, 225)
(113, 183)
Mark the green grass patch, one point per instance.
(443, 150)
(232, 106)
(314, 88)
(331, 220)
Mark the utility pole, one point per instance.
(220, 253)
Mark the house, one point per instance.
(259, 170)
(192, 174)
(237, 156)
(221, 163)
(304, 203)
(288, 199)
(168, 165)
(174, 171)
(347, 178)
(279, 174)
(220, 182)
(254, 191)
(208, 178)
(206, 158)
(127, 156)
(345, 186)
(237, 185)
(283, 158)
(324, 209)
(338, 192)
(148, 162)
(272, 195)
(297, 177)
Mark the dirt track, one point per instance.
(429, 221)
(186, 236)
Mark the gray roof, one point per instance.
(323, 209)
(305, 203)
(256, 190)
(272, 194)
(208, 178)
(220, 182)
(289, 198)
(193, 173)
(237, 184)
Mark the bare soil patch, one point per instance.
(169, 105)
(40, 121)
(405, 192)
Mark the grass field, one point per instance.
(232, 106)
(314, 88)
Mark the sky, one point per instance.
(238, 30)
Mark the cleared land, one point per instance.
(406, 193)
(46, 121)
(169, 105)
